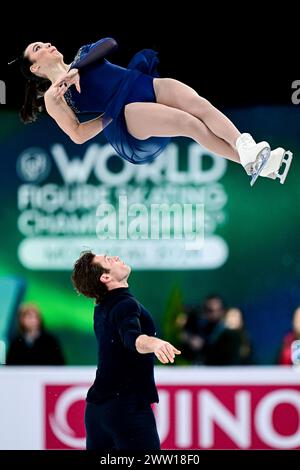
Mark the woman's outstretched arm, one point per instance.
(67, 120)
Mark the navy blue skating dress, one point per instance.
(107, 88)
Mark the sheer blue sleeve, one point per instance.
(94, 52)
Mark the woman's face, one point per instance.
(30, 320)
(296, 322)
(233, 319)
(42, 55)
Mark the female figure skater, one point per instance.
(139, 112)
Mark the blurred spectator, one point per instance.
(285, 353)
(33, 345)
(234, 321)
(189, 339)
(221, 344)
(204, 337)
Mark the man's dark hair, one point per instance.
(86, 277)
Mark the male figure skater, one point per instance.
(118, 412)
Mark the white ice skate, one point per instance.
(279, 157)
(253, 156)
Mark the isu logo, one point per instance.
(65, 416)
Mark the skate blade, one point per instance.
(287, 160)
(265, 153)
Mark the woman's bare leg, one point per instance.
(144, 120)
(180, 96)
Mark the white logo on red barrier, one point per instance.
(229, 416)
(65, 416)
(193, 416)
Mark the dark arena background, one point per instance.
(250, 260)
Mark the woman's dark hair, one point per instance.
(34, 92)
(86, 277)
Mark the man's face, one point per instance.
(214, 310)
(118, 270)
